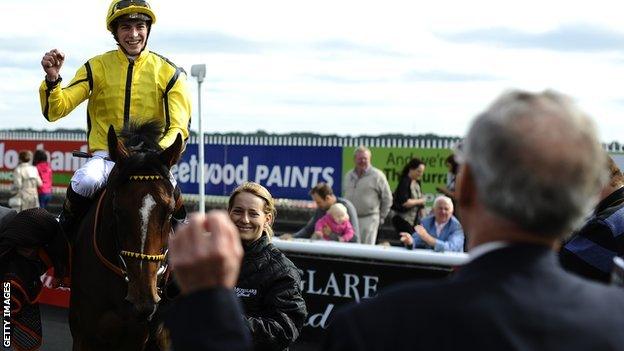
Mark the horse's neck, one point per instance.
(100, 224)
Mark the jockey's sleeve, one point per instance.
(57, 102)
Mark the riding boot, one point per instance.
(74, 207)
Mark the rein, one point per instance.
(123, 253)
(120, 272)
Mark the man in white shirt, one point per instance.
(368, 190)
(440, 232)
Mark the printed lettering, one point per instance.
(319, 320)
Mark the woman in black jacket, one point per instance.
(269, 283)
(408, 201)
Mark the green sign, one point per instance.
(392, 160)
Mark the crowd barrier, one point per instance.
(336, 274)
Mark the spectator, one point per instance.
(129, 84)
(334, 225)
(324, 197)
(408, 201)
(590, 251)
(25, 182)
(453, 168)
(269, 283)
(206, 256)
(440, 232)
(513, 294)
(40, 161)
(368, 190)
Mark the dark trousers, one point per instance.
(401, 225)
(44, 199)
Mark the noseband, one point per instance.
(122, 272)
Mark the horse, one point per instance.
(119, 258)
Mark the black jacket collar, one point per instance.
(513, 258)
(255, 247)
(614, 199)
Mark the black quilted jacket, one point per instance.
(269, 289)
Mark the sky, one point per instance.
(341, 67)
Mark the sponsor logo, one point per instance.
(242, 292)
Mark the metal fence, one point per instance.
(426, 142)
(277, 140)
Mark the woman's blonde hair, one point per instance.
(261, 192)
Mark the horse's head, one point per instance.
(142, 205)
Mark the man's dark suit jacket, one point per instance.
(208, 320)
(514, 298)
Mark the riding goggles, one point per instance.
(127, 3)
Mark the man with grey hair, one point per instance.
(440, 232)
(532, 168)
(368, 190)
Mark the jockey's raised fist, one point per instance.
(52, 62)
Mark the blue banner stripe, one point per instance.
(592, 253)
(616, 222)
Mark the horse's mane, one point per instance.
(141, 140)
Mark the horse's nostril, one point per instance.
(145, 311)
(142, 310)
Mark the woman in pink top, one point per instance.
(334, 225)
(40, 160)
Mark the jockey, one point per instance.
(130, 84)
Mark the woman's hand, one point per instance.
(414, 202)
(406, 239)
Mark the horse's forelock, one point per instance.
(137, 163)
(142, 137)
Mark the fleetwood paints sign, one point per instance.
(286, 171)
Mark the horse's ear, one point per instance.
(171, 155)
(116, 149)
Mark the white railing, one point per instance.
(373, 252)
(286, 140)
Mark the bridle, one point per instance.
(123, 270)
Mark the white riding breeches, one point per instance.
(92, 176)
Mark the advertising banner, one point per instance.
(331, 282)
(59, 154)
(286, 171)
(392, 160)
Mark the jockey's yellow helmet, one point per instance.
(139, 9)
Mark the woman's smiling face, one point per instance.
(248, 215)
